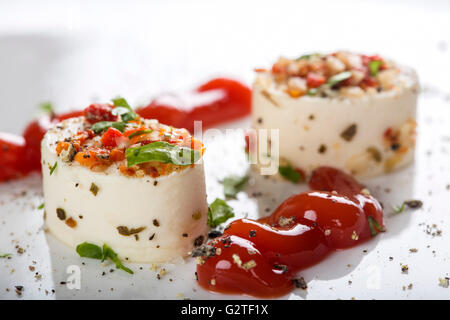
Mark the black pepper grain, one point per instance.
(61, 213)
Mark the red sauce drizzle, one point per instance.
(260, 258)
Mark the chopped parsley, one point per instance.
(308, 56)
(233, 184)
(53, 168)
(219, 212)
(5, 255)
(41, 206)
(47, 108)
(104, 125)
(337, 78)
(162, 151)
(94, 189)
(399, 209)
(413, 204)
(312, 92)
(374, 226)
(90, 250)
(374, 67)
(138, 133)
(289, 173)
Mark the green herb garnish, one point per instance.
(138, 133)
(219, 212)
(47, 108)
(123, 109)
(109, 253)
(290, 173)
(374, 67)
(5, 255)
(94, 189)
(162, 151)
(399, 209)
(312, 92)
(52, 169)
(104, 125)
(374, 226)
(233, 184)
(90, 250)
(308, 56)
(41, 206)
(337, 78)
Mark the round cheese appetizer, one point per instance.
(135, 185)
(346, 110)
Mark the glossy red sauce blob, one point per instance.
(341, 219)
(298, 234)
(217, 101)
(295, 245)
(226, 271)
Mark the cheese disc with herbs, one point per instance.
(136, 185)
(351, 111)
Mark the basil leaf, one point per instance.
(374, 226)
(5, 255)
(109, 253)
(104, 125)
(138, 133)
(290, 173)
(233, 184)
(219, 211)
(337, 78)
(89, 250)
(374, 67)
(127, 114)
(162, 151)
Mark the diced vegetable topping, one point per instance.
(115, 134)
(325, 75)
(219, 212)
(233, 184)
(291, 174)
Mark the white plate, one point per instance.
(74, 70)
(372, 274)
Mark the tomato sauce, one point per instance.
(261, 258)
(231, 101)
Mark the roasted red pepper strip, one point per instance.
(217, 101)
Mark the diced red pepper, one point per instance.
(111, 137)
(314, 80)
(97, 112)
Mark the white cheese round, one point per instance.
(172, 209)
(347, 132)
